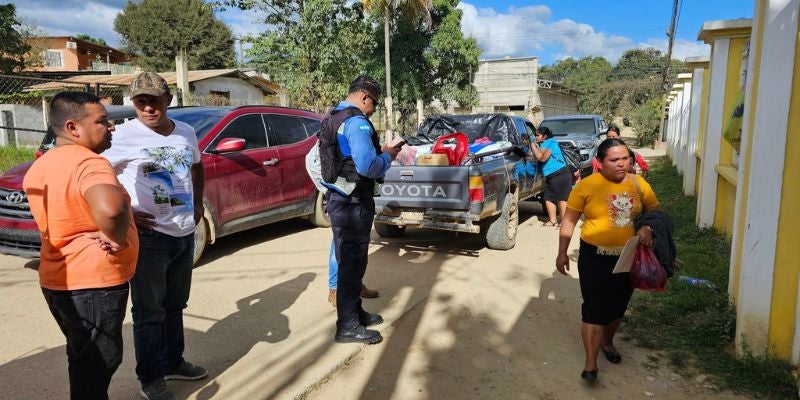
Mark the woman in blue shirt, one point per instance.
(557, 177)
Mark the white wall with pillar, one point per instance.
(672, 130)
(720, 35)
(685, 80)
(699, 67)
(765, 261)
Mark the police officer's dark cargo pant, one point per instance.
(351, 219)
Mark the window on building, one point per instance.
(53, 58)
(516, 108)
(226, 95)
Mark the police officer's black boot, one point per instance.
(359, 334)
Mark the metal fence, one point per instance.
(23, 106)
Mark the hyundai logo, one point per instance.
(16, 197)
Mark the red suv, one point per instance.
(254, 162)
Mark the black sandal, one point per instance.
(549, 223)
(612, 356)
(589, 376)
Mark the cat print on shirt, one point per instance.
(620, 206)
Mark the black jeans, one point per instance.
(159, 292)
(351, 219)
(91, 320)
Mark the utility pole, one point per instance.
(671, 35)
(471, 92)
(241, 55)
(182, 77)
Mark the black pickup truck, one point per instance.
(480, 195)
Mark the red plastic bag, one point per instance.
(646, 272)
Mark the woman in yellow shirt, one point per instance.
(609, 201)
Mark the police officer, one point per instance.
(352, 160)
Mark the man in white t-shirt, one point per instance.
(158, 162)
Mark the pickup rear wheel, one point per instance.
(389, 231)
(320, 216)
(501, 234)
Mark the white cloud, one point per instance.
(96, 18)
(681, 49)
(70, 18)
(528, 31)
(504, 34)
(242, 23)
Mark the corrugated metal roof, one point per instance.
(123, 80)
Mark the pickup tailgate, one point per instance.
(443, 188)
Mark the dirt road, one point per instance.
(463, 322)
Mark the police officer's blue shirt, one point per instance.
(355, 141)
(556, 160)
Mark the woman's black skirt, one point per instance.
(605, 295)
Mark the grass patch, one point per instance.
(695, 326)
(12, 156)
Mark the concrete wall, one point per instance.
(554, 102)
(511, 86)
(241, 92)
(509, 82)
(22, 116)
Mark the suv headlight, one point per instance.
(585, 145)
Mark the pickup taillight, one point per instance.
(475, 189)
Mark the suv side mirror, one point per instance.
(228, 145)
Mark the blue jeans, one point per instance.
(351, 220)
(159, 292)
(333, 266)
(91, 320)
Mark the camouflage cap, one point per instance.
(149, 83)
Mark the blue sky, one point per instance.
(550, 30)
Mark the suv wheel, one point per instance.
(200, 239)
(320, 215)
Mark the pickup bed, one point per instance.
(479, 197)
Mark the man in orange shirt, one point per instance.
(89, 240)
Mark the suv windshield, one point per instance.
(563, 127)
(202, 119)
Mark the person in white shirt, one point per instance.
(158, 162)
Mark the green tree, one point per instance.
(83, 36)
(155, 31)
(390, 10)
(314, 48)
(646, 119)
(638, 64)
(13, 48)
(586, 75)
(432, 61)
(450, 56)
